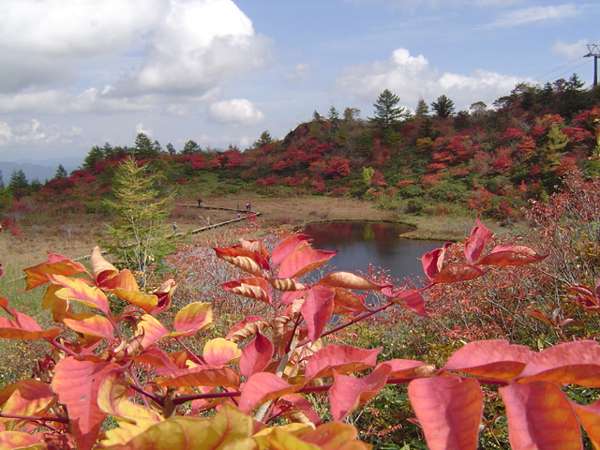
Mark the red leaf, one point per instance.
(261, 387)
(493, 359)
(347, 392)
(297, 403)
(256, 355)
(76, 383)
(568, 363)
(202, 376)
(346, 302)
(449, 409)
(302, 260)
(287, 246)
(247, 260)
(317, 310)
(245, 328)
(476, 242)
(589, 417)
(410, 298)
(511, 255)
(540, 417)
(406, 368)
(433, 261)
(341, 358)
(455, 273)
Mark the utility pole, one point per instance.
(594, 51)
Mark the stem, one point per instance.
(187, 398)
(35, 418)
(154, 398)
(197, 359)
(61, 347)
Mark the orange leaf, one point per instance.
(476, 242)
(18, 440)
(165, 295)
(511, 255)
(334, 436)
(22, 326)
(302, 260)
(77, 382)
(317, 310)
(341, 358)
(589, 417)
(101, 268)
(449, 410)
(568, 363)
(256, 355)
(261, 387)
(347, 302)
(256, 288)
(406, 368)
(26, 398)
(92, 325)
(410, 298)
(75, 289)
(123, 280)
(540, 416)
(202, 376)
(192, 318)
(247, 260)
(145, 301)
(218, 352)
(492, 359)
(347, 392)
(455, 273)
(56, 265)
(148, 332)
(348, 280)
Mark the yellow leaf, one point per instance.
(145, 301)
(219, 351)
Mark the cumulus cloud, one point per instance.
(534, 14)
(146, 52)
(299, 72)
(237, 110)
(570, 50)
(412, 78)
(140, 128)
(34, 131)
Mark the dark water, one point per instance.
(359, 244)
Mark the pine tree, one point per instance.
(95, 155)
(422, 109)
(139, 233)
(145, 148)
(1, 181)
(387, 111)
(264, 139)
(61, 172)
(171, 149)
(334, 116)
(18, 183)
(351, 115)
(443, 107)
(190, 147)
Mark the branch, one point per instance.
(155, 398)
(35, 418)
(61, 347)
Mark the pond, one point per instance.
(360, 243)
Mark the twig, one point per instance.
(155, 398)
(35, 418)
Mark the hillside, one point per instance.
(489, 159)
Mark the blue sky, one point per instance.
(218, 71)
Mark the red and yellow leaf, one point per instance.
(56, 265)
(101, 268)
(287, 246)
(589, 418)
(492, 359)
(21, 326)
(92, 325)
(406, 369)
(540, 416)
(347, 302)
(256, 288)
(449, 410)
(202, 376)
(140, 299)
(348, 280)
(218, 352)
(19, 440)
(76, 289)
(247, 260)
(26, 398)
(76, 382)
(192, 318)
(341, 358)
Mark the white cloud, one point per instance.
(238, 110)
(570, 50)
(412, 78)
(34, 131)
(534, 14)
(140, 128)
(299, 72)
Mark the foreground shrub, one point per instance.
(110, 381)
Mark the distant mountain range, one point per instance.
(37, 170)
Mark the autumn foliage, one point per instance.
(120, 374)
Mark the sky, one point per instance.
(75, 73)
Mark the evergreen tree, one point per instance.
(108, 151)
(334, 116)
(1, 181)
(171, 149)
(144, 147)
(18, 183)
(190, 147)
(422, 109)
(317, 117)
(443, 106)
(264, 139)
(60, 172)
(35, 185)
(139, 233)
(387, 110)
(351, 115)
(95, 155)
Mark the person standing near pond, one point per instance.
(248, 206)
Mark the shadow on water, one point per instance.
(360, 243)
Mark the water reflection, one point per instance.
(359, 244)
